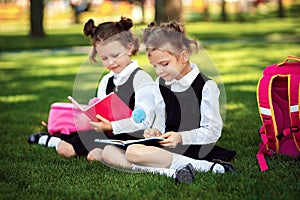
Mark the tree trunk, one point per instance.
(223, 11)
(280, 9)
(168, 10)
(36, 18)
(206, 11)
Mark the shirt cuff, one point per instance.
(186, 137)
(115, 128)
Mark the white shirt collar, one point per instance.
(125, 73)
(187, 80)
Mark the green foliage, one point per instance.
(32, 80)
(55, 38)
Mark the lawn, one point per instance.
(33, 76)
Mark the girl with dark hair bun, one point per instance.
(109, 31)
(114, 44)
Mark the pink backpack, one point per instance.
(278, 97)
(65, 118)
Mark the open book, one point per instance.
(111, 108)
(147, 141)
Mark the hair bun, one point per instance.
(152, 24)
(89, 28)
(175, 26)
(125, 23)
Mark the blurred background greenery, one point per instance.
(37, 18)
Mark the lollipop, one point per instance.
(139, 115)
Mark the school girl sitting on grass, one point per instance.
(114, 44)
(193, 121)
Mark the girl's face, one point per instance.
(166, 65)
(114, 55)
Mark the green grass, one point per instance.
(32, 80)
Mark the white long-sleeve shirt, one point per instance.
(211, 121)
(147, 97)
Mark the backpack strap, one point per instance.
(295, 107)
(294, 93)
(267, 114)
(263, 146)
(269, 143)
(289, 58)
(294, 102)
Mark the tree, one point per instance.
(36, 18)
(206, 11)
(167, 10)
(223, 11)
(280, 9)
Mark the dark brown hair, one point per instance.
(111, 31)
(173, 33)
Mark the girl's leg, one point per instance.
(115, 156)
(65, 149)
(44, 139)
(149, 156)
(199, 165)
(95, 155)
(160, 158)
(183, 174)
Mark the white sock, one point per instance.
(162, 171)
(199, 165)
(53, 141)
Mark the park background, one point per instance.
(39, 68)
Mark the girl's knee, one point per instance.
(133, 153)
(107, 153)
(65, 149)
(95, 155)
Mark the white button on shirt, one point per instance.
(211, 121)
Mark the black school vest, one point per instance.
(183, 108)
(127, 94)
(125, 91)
(183, 113)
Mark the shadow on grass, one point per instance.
(265, 31)
(14, 42)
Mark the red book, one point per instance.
(111, 108)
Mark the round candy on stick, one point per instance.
(138, 115)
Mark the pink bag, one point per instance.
(278, 97)
(65, 118)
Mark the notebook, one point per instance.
(111, 108)
(146, 141)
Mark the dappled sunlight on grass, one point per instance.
(52, 84)
(235, 106)
(242, 77)
(58, 61)
(36, 65)
(236, 31)
(18, 98)
(46, 71)
(246, 88)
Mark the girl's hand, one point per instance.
(93, 100)
(103, 124)
(153, 132)
(171, 139)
